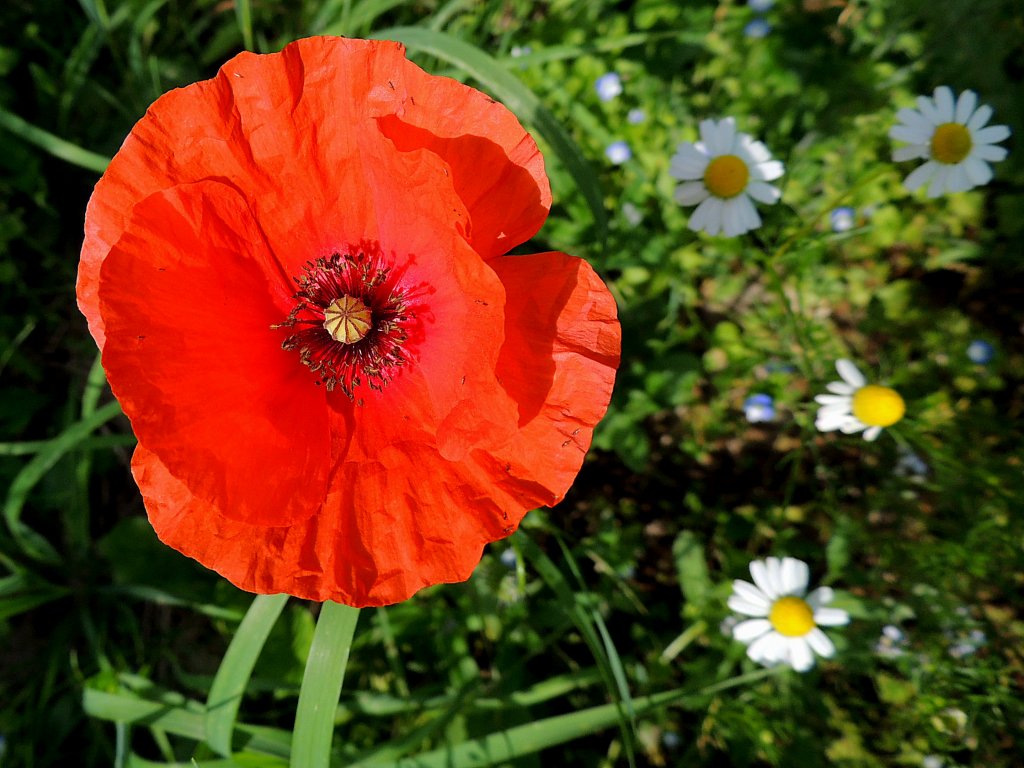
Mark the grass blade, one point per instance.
(512, 743)
(243, 13)
(321, 686)
(31, 543)
(54, 145)
(236, 668)
(521, 100)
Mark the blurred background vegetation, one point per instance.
(109, 641)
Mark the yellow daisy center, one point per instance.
(348, 319)
(791, 616)
(878, 406)
(726, 176)
(951, 143)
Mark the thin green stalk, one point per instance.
(321, 686)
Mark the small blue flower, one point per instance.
(759, 408)
(636, 116)
(671, 740)
(757, 29)
(509, 559)
(608, 86)
(843, 219)
(618, 152)
(519, 51)
(980, 352)
(760, 5)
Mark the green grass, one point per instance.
(592, 637)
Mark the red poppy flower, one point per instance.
(342, 389)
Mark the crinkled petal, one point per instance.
(558, 363)
(188, 295)
(302, 132)
(707, 216)
(767, 649)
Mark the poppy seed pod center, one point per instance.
(353, 321)
(726, 176)
(347, 319)
(878, 406)
(951, 143)
(791, 616)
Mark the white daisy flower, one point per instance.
(720, 175)
(785, 629)
(856, 406)
(951, 135)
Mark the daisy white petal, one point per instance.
(928, 110)
(800, 656)
(768, 171)
(795, 574)
(820, 644)
(839, 387)
(850, 373)
(989, 152)
(831, 617)
(767, 647)
(991, 135)
(913, 119)
(763, 193)
(759, 571)
(688, 163)
(911, 135)
(820, 597)
(978, 171)
(831, 399)
(979, 118)
(920, 175)
(691, 193)
(965, 107)
(938, 183)
(774, 565)
(944, 103)
(732, 221)
(912, 152)
(751, 629)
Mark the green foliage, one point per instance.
(597, 635)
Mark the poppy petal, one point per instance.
(303, 153)
(561, 351)
(188, 294)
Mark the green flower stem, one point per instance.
(321, 686)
